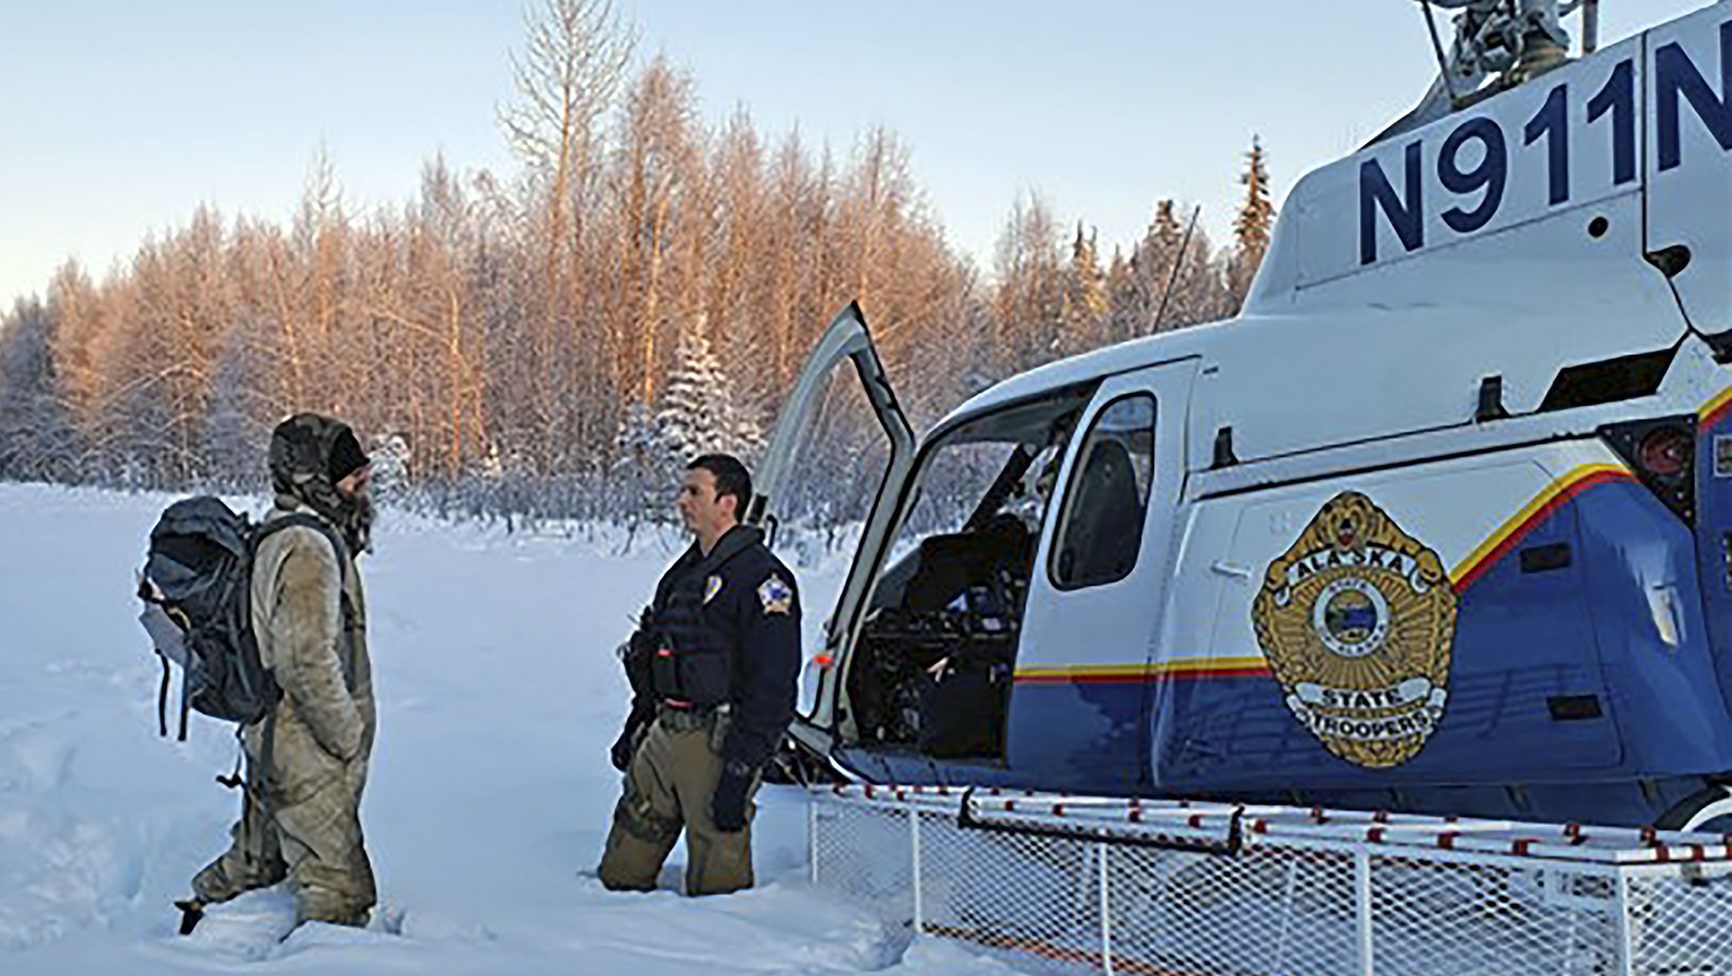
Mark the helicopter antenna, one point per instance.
(1178, 262)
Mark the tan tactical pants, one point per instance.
(308, 830)
(668, 787)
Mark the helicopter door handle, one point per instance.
(1233, 570)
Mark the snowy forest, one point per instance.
(555, 341)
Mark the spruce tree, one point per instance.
(689, 422)
(1256, 219)
(1164, 231)
(1124, 298)
(699, 412)
(1151, 264)
(1084, 310)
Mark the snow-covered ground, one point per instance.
(489, 796)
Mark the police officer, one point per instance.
(715, 664)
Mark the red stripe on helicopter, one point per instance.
(1714, 410)
(1542, 507)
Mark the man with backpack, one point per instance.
(307, 758)
(714, 669)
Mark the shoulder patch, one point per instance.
(776, 595)
(712, 586)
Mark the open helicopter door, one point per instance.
(824, 436)
(1079, 707)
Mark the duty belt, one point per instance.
(689, 718)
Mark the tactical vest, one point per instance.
(694, 663)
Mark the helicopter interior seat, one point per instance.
(972, 565)
(1106, 519)
(975, 582)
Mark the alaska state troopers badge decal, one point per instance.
(1357, 620)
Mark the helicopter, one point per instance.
(1441, 522)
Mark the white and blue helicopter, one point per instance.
(1441, 523)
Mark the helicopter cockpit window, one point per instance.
(931, 671)
(1102, 526)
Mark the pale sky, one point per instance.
(118, 118)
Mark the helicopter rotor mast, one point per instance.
(1504, 41)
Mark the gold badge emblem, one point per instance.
(1357, 620)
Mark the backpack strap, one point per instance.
(324, 528)
(162, 698)
(255, 786)
(305, 520)
(145, 593)
(185, 702)
(267, 756)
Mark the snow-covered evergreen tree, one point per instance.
(689, 421)
(699, 413)
(390, 455)
(637, 435)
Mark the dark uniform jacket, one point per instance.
(724, 630)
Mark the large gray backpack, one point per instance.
(197, 586)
